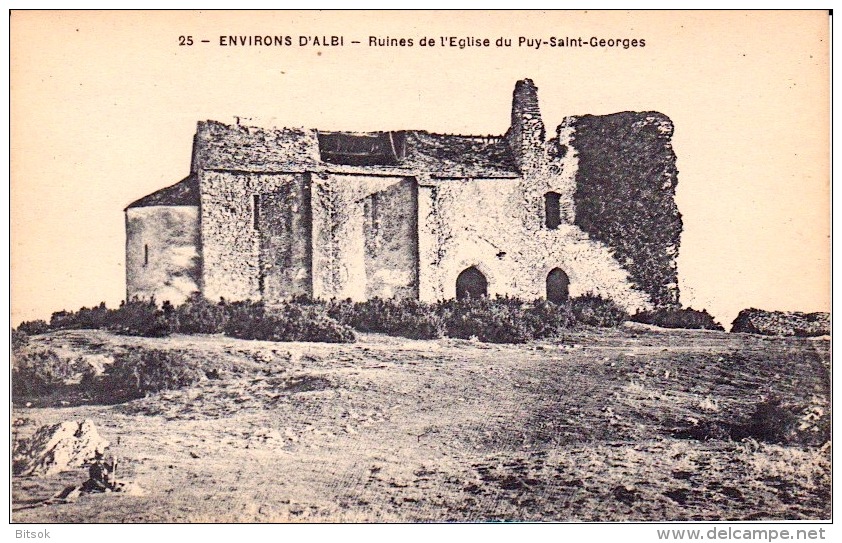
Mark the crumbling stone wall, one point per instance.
(544, 165)
(495, 225)
(625, 194)
(283, 223)
(500, 226)
(782, 323)
(219, 146)
(162, 252)
(526, 133)
(242, 260)
(390, 230)
(365, 237)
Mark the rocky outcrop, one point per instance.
(781, 323)
(58, 447)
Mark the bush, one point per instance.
(31, 328)
(199, 316)
(138, 373)
(549, 319)
(593, 310)
(135, 318)
(287, 322)
(405, 318)
(771, 422)
(493, 321)
(673, 317)
(86, 318)
(139, 318)
(39, 372)
(19, 340)
(499, 320)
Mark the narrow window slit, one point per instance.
(256, 210)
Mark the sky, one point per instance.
(104, 106)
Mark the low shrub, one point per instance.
(496, 320)
(135, 318)
(31, 328)
(593, 310)
(286, 322)
(39, 372)
(199, 316)
(771, 422)
(139, 318)
(549, 319)
(19, 340)
(500, 320)
(86, 318)
(404, 318)
(673, 317)
(141, 372)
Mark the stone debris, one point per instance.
(102, 480)
(58, 447)
(781, 323)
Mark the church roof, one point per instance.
(256, 149)
(253, 149)
(183, 193)
(459, 156)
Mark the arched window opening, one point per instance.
(471, 283)
(552, 210)
(558, 286)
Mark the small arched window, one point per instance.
(552, 210)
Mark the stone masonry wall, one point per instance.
(283, 221)
(364, 237)
(545, 165)
(162, 252)
(241, 261)
(219, 146)
(390, 230)
(496, 226)
(526, 134)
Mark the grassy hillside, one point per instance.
(628, 424)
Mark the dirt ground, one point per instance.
(600, 426)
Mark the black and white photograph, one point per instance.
(420, 267)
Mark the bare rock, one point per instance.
(781, 323)
(95, 364)
(58, 447)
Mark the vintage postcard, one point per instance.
(420, 266)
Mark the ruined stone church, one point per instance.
(267, 214)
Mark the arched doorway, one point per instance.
(557, 285)
(471, 283)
